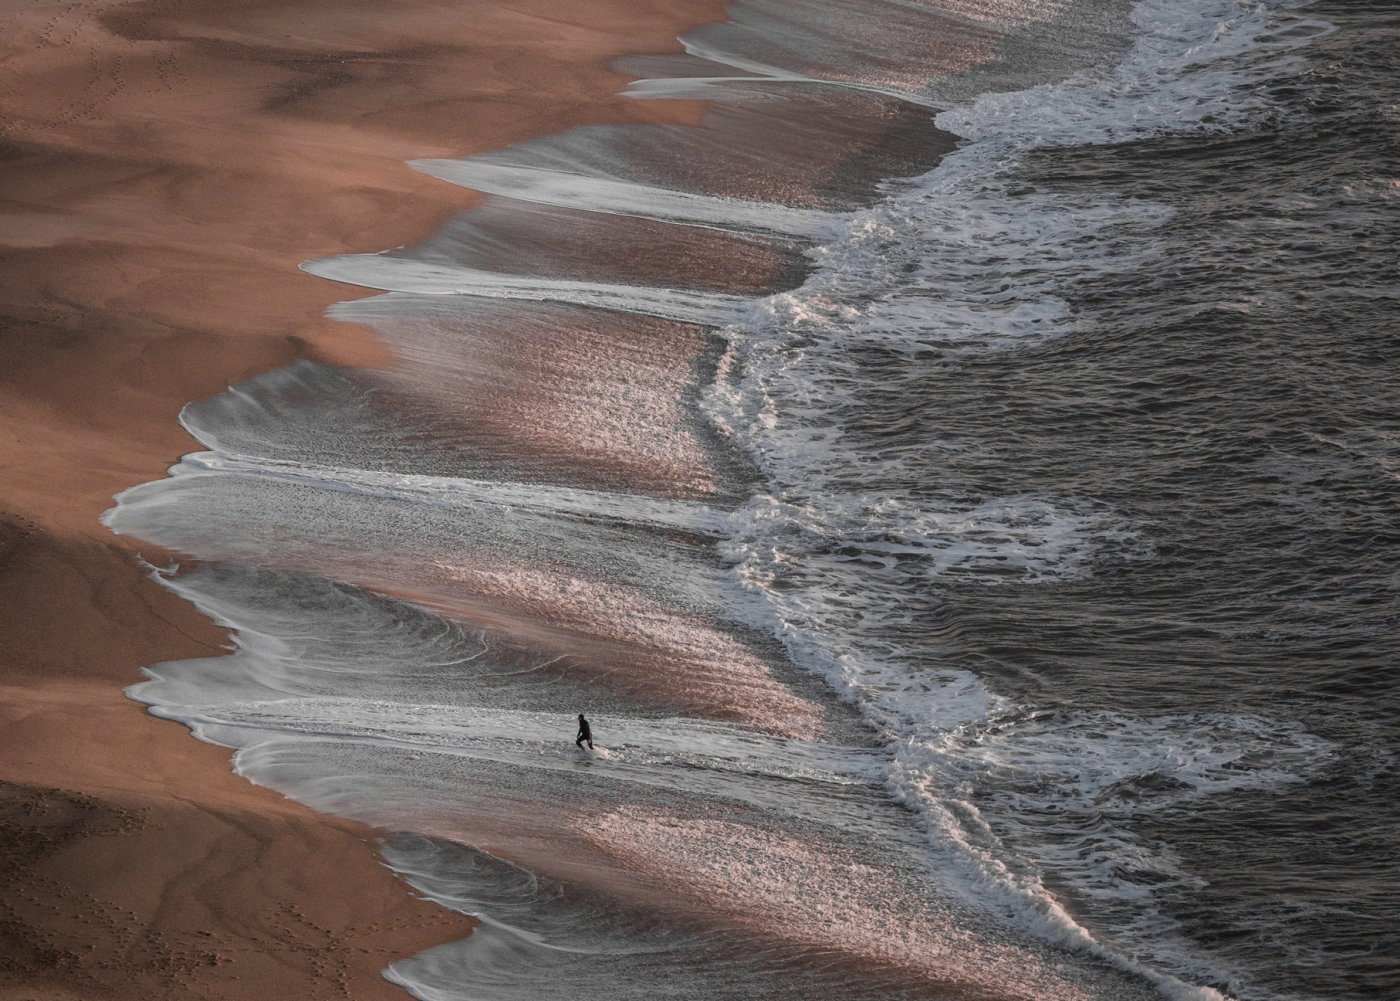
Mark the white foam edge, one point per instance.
(403, 274)
(597, 194)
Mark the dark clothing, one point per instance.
(584, 733)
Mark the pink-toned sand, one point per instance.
(637, 645)
(167, 166)
(819, 895)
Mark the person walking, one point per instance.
(584, 733)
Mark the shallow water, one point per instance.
(958, 480)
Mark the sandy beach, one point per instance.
(167, 168)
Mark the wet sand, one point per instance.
(167, 168)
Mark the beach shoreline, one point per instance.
(168, 170)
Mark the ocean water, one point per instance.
(960, 481)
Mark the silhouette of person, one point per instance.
(584, 733)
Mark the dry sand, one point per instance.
(166, 167)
